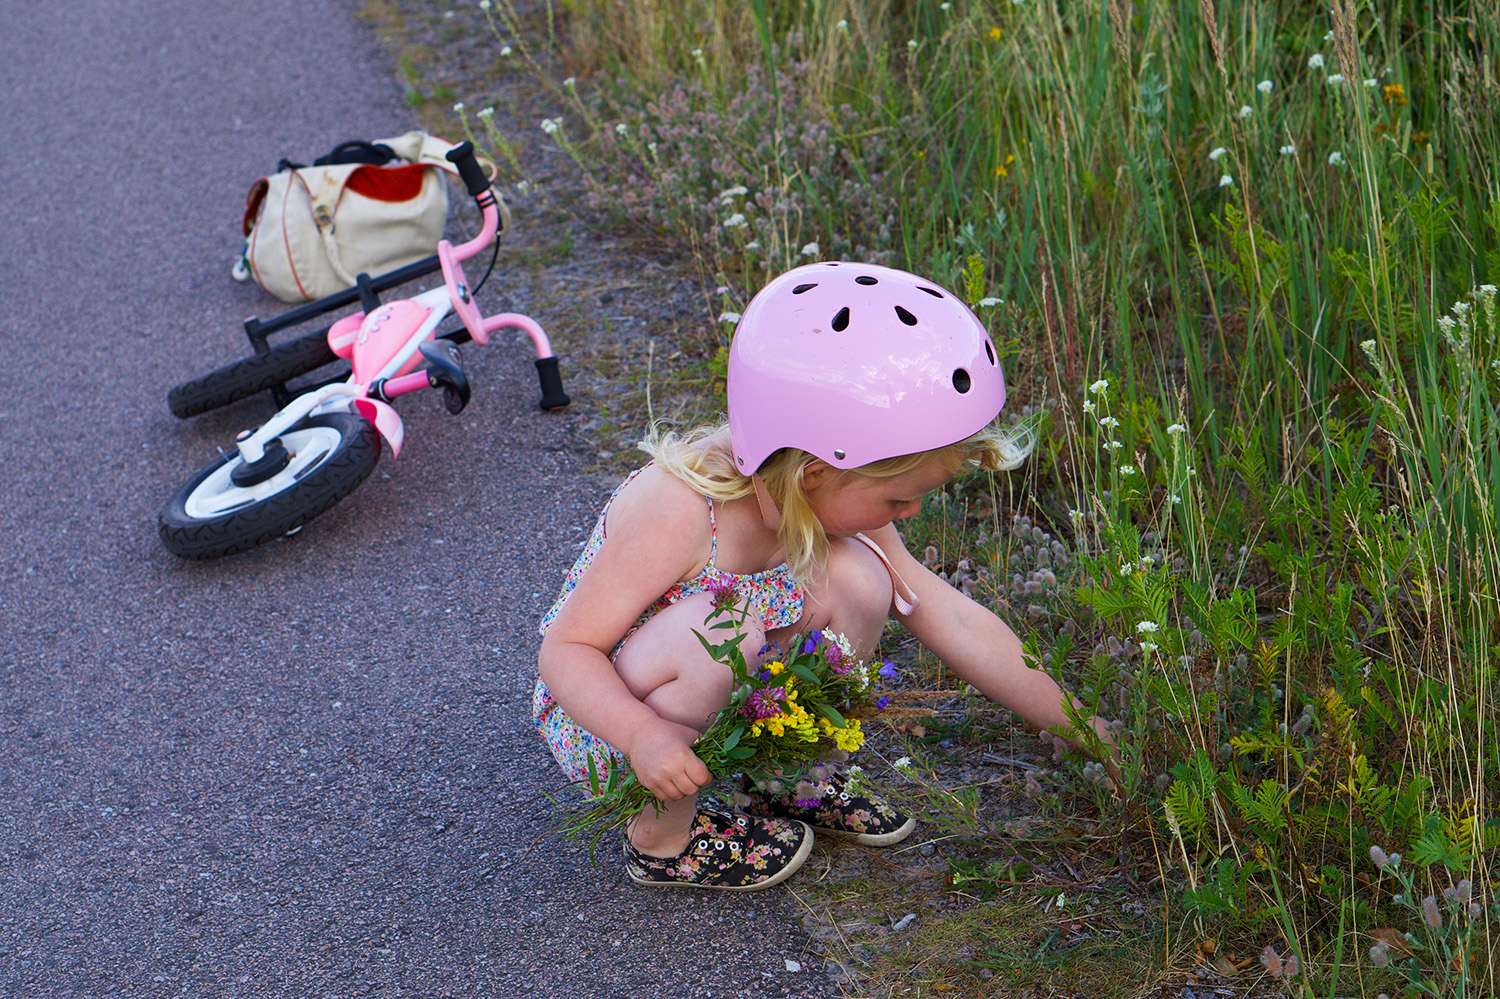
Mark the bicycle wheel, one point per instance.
(255, 373)
(212, 516)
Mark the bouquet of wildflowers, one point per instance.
(788, 712)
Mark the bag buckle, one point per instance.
(322, 217)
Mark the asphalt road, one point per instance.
(308, 770)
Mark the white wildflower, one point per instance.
(1109, 422)
(504, 50)
(911, 45)
(1177, 430)
(1126, 568)
(1335, 79)
(1113, 445)
(730, 193)
(1264, 86)
(754, 244)
(1088, 405)
(488, 112)
(1099, 387)
(551, 125)
(990, 302)
(1328, 37)
(570, 83)
(904, 763)
(1218, 153)
(1148, 627)
(484, 4)
(1372, 83)
(1127, 469)
(1075, 514)
(1147, 648)
(1368, 346)
(1316, 62)
(843, 24)
(1246, 111)
(622, 129)
(458, 108)
(697, 54)
(1335, 158)
(1226, 181)
(1175, 500)
(1289, 150)
(810, 250)
(729, 317)
(735, 221)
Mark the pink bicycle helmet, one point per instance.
(855, 363)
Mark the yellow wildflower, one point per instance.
(1003, 170)
(994, 34)
(1395, 95)
(776, 668)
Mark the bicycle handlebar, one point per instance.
(462, 156)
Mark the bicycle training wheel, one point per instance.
(327, 457)
(253, 374)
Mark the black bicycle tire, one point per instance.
(350, 463)
(250, 375)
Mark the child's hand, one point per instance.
(663, 759)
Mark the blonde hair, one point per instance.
(704, 459)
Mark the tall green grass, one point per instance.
(1267, 234)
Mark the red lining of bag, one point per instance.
(252, 204)
(389, 183)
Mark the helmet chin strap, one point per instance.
(769, 514)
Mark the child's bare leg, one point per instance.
(666, 666)
(853, 599)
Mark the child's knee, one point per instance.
(858, 580)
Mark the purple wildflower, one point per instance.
(764, 703)
(721, 588)
(834, 654)
(888, 671)
(882, 702)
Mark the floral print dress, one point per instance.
(774, 595)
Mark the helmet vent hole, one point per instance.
(931, 291)
(961, 380)
(989, 351)
(866, 279)
(803, 287)
(841, 321)
(906, 317)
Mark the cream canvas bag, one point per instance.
(310, 230)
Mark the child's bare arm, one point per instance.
(975, 644)
(637, 563)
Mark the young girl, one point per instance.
(854, 390)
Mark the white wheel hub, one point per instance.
(217, 495)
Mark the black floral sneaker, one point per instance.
(824, 802)
(728, 852)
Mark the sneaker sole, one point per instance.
(791, 868)
(870, 839)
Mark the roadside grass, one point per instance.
(1243, 260)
